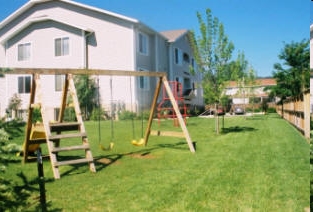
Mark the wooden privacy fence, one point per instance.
(296, 110)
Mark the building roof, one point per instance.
(31, 3)
(174, 35)
(261, 82)
(36, 20)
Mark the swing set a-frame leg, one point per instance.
(181, 121)
(152, 109)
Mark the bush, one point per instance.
(69, 114)
(36, 115)
(13, 197)
(96, 112)
(127, 115)
(271, 110)
(144, 114)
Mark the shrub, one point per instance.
(69, 114)
(127, 115)
(97, 113)
(271, 110)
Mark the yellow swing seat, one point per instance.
(108, 148)
(138, 143)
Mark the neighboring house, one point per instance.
(181, 62)
(242, 94)
(67, 34)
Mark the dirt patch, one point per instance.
(107, 161)
(142, 156)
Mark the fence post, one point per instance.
(306, 108)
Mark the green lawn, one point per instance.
(259, 163)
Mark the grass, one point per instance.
(257, 164)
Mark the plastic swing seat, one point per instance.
(138, 143)
(106, 148)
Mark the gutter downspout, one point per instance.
(85, 49)
(170, 62)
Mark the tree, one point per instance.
(293, 75)
(236, 70)
(86, 93)
(212, 50)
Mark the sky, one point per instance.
(260, 29)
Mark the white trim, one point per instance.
(37, 20)
(84, 53)
(134, 47)
(156, 46)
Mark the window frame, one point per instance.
(23, 84)
(178, 56)
(143, 43)
(143, 82)
(26, 53)
(62, 51)
(59, 80)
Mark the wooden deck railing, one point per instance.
(296, 110)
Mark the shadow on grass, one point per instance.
(256, 117)
(182, 145)
(24, 195)
(237, 129)
(102, 162)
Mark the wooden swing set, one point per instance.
(51, 132)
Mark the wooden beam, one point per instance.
(30, 117)
(55, 71)
(178, 114)
(168, 133)
(153, 106)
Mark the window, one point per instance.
(186, 58)
(23, 52)
(24, 84)
(144, 82)
(56, 113)
(59, 82)
(178, 56)
(61, 46)
(143, 43)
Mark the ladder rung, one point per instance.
(64, 126)
(69, 135)
(70, 162)
(69, 148)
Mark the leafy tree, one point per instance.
(12, 196)
(236, 70)
(293, 75)
(212, 50)
(86, 93)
